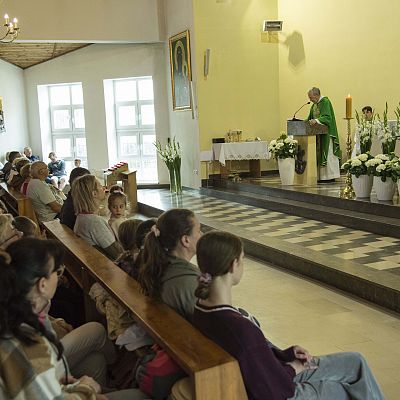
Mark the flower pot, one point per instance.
(384, 190)
(286, 170)
(362, 185)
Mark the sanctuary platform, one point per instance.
(353, 246)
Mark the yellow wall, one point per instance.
(343, 47)
(241, 91)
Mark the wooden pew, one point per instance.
(214, 374)
(17, 202)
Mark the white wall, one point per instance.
(178, 18)
(91, 65)
(14, 107)
(134, 21)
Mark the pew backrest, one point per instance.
(17, 202)
(214, 373)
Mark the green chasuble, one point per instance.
(323, 111)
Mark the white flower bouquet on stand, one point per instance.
(284, 150)
(382, 168)
(362, 182)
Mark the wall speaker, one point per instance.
(272, 26)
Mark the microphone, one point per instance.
(294, 115)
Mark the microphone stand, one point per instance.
(294, 115)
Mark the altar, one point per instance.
(238, 151)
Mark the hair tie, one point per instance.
(155, 230)
(205, 278)
(119, 191)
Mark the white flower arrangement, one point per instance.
(364, 132)
(386, 134)
(383, 165)
(283, 147)
(358, 165)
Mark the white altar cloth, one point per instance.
(256, 150)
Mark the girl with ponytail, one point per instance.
(166, 273)
(268, 372)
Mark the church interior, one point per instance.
(321, 271)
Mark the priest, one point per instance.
(329, 152)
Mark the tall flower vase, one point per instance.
(384, 190)
(178, 181)
(286, 170)
(172, 182)
(362, 185)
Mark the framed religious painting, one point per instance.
(2, 126)
(181, 74)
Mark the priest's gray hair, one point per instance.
(315, 91)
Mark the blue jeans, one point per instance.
(339, 376)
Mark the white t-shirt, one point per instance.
(94, 229)
(40, 194)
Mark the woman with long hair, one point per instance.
(166, 273)
(87, 195)
(268, 373)
(32, 361)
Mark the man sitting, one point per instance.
(57, 175)
(28, 154)
(46, 204)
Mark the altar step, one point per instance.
(378, 218)
(313, 258)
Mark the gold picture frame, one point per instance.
(181, 73)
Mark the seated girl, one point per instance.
(87, 195)
(26, 176)
(166, 273)
(127, 239)
(268, 373)
(117, 205)
(27, 345)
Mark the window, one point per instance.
(135, 126)
(68, 123)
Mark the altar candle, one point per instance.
(349, 106)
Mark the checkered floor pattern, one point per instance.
(371, 250)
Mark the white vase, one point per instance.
(286, 170)
(362, 185)
(384, 190)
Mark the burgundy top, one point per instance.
(265, 374)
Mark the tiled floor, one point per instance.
(370, 250)
(292, 310)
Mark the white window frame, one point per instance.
(137, 130)
(71, 132)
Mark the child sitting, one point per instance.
(117, 206)
(26, 176)
(26, 226)
(127, 239)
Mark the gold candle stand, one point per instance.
(348, 191)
